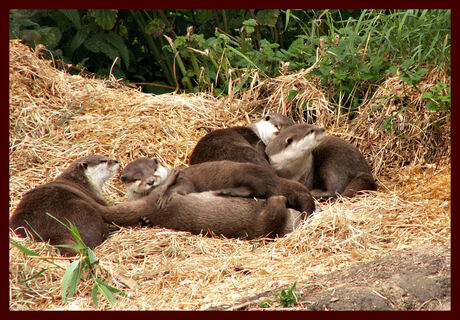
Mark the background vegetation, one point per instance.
(206, 50)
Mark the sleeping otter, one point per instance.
(326, 165)
(240, 144)
(141, 176)
(75, 195)
(239, 179)
(208, 213)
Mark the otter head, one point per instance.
(289, 152)
(98, 169)
(269, 126)
(141, 176)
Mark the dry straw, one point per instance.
(56, 118)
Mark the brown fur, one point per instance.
(70, 196)
(141, 176)
(208, 213)
(240, 144)
(335, 165)
(239, 179)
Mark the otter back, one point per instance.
(240, 144)
(242, 180)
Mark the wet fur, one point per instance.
(70, 196)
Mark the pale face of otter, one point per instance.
(290, 151)
(269, 126)
(141, 176)
(99, 169)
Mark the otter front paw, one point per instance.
(145, 222)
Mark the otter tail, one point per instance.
(363, 181)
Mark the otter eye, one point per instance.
(104, 161)
(288, 141)
(267, 118)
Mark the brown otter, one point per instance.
(241, 144)
(326, 165)
(241, 179)
(141, 176)
(75, 195)
(208, 213)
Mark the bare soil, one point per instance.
(413, 279)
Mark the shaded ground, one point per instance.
(415, 279)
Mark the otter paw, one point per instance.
(163, 201)
(145, 222)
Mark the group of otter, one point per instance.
(243, 182)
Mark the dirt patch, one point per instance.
(413, 279)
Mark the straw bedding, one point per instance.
(56, 118)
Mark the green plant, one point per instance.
(288, 298)
(86, 264)
(264, 303)
(438, 98)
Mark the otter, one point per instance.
(208, 213)
(240, 144)
(240, 179)
(141, 176)
(75, 195)
(327, 165)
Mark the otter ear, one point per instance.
(155, 160)
(84, 165)
(123, 179)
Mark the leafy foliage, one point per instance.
(206, 50)
(87, 263)
(288, 298)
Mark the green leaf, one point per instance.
(49, 36)
(94, 294)
(107, 293)
(267, 17)
(75, 246)
(33, 276)
(24, 249)
(427, 95)
(243, 56)
(155, 28)
(73, 16)
(432, 106)
(249, 25)
(118, 43)
(292, 94)
(77, 40)
(68, 279)
(98, 43)
(392, 69)
(91, 256)
(105, 18)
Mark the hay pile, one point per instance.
(56, 118)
